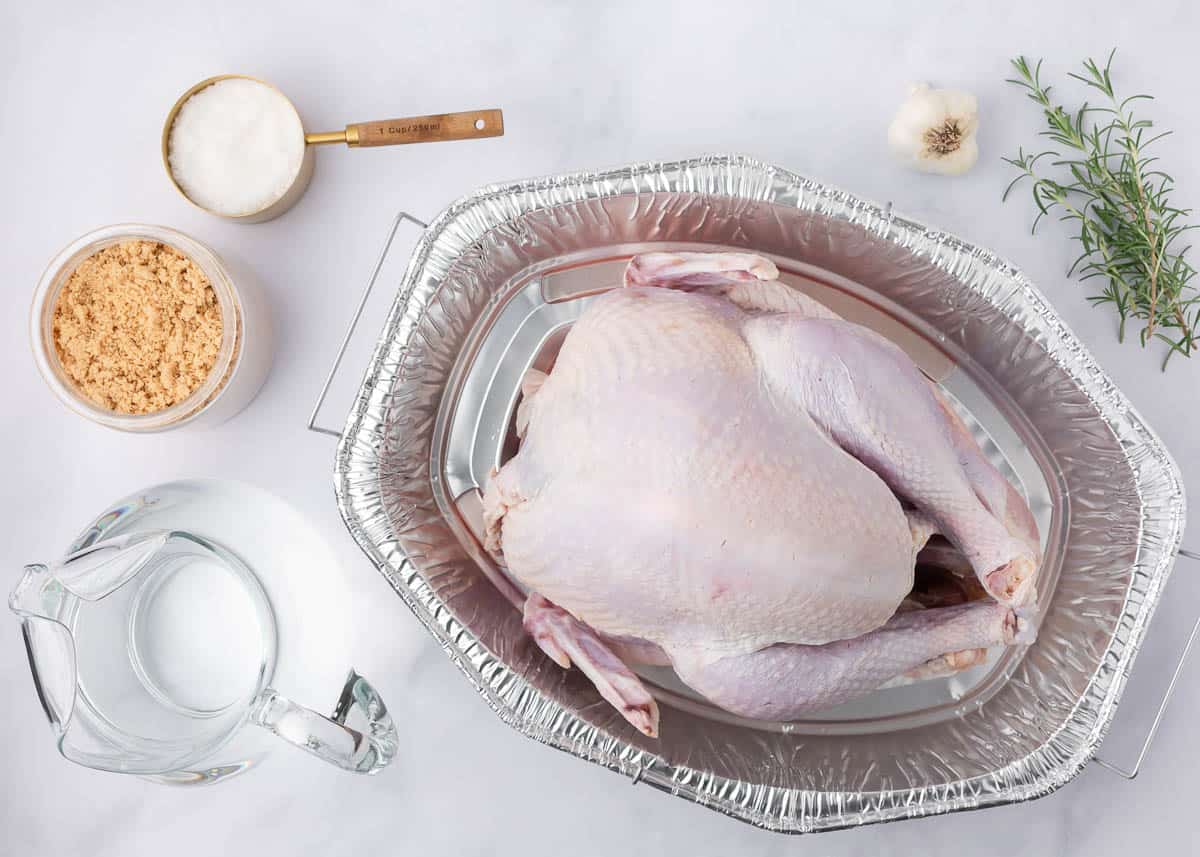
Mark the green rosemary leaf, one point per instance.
(1119, 208)
(1011, 185)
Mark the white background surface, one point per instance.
(85, 89)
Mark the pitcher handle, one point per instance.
(365, 750)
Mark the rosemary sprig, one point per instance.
(1101, 180)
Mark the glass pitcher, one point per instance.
(152, 653)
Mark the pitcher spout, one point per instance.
(38, 599)
(28, 598)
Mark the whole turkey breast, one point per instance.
(721, 475)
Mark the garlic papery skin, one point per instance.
(934, 130)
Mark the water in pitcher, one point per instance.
(171, 638)
(153, 647)
(191, 640)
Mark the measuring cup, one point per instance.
(152, 653)
(435, 128)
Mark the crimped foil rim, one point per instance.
(772, 807)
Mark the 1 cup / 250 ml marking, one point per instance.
(419, 128)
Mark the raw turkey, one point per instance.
(721, 475)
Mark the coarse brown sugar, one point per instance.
(137, 327)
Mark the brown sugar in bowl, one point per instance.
(140, 328)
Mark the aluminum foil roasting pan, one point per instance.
(492, 287)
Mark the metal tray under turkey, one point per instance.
(475, 434)
(492, 289)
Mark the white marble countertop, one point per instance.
(86, 86)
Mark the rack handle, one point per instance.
(358, 311)
(1130, 773)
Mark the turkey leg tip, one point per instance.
(1025, 630)
(644, 718)
(1013, 582)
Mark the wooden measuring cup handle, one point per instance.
(468, 125)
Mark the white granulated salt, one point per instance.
(236, 146)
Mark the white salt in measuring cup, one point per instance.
(435, 128)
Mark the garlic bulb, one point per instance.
(934, 130)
